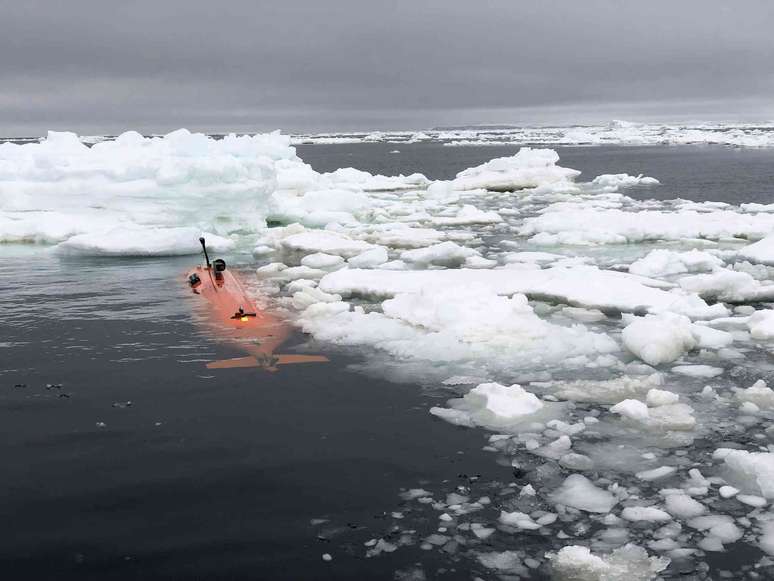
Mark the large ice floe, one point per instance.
(135, 194)
(612, 350)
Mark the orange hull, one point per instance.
(236, 318)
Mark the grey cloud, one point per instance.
(310, 65)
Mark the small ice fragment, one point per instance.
(752, 500)
(698, 370)
(579, 492)
(518, 520)
(683, 506)
(482, 533)
(656, 473)
(728, 491)
(632, 409)
(327, 557)
(657, 397)
(645, 513)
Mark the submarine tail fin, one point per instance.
(269, 363)
(288, 359)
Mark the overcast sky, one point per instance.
(98, 66)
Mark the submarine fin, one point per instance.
(288, 359)
(268, 363)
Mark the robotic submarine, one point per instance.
(237, 319)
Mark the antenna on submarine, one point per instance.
(204, 247)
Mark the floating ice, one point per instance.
(504, 402)
(529, 168)
(579, 492)
(659, 339)
(370, 258)
(138, 241)
(613, 182)
(761, 324)
(468, 215)
(761, 251)
(58, 188)
(583, 285)
(728, 285)
(326, 242)
(645, 513)
(629, 563)
(759, 393)
(659, 263)
(682, 506)
(608, 391)
(751, 471)
(586, 226)
(444, 254)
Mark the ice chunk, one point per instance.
(58, 188)
(518, 520)
(444, 254)
(681, 505)
(657, 397)
(580, 225)
(645, 513)
(608, 391)
(751, 471)
(320, 260)
(507, 561)
(319, 207)
(632, 409)
(761, 324)
(659, 339)
(140, 241)
(665, 417)
(728, 285)
(370, 258)
(728, 491)
(498, 407)
(505, 402)
(577, 563)
(579, 492)
(468, 215)
(656, 473)
(325, 242)
(761, 251)
(627, 563)
(529, 168)
(698, 370)
(759, 394)
(659, 263)
(612, 182)
(581, 285)
(450, 323)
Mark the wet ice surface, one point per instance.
(599, 343)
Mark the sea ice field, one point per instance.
(551, 355)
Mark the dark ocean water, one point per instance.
(217, 475)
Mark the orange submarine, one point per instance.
(236, 319)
